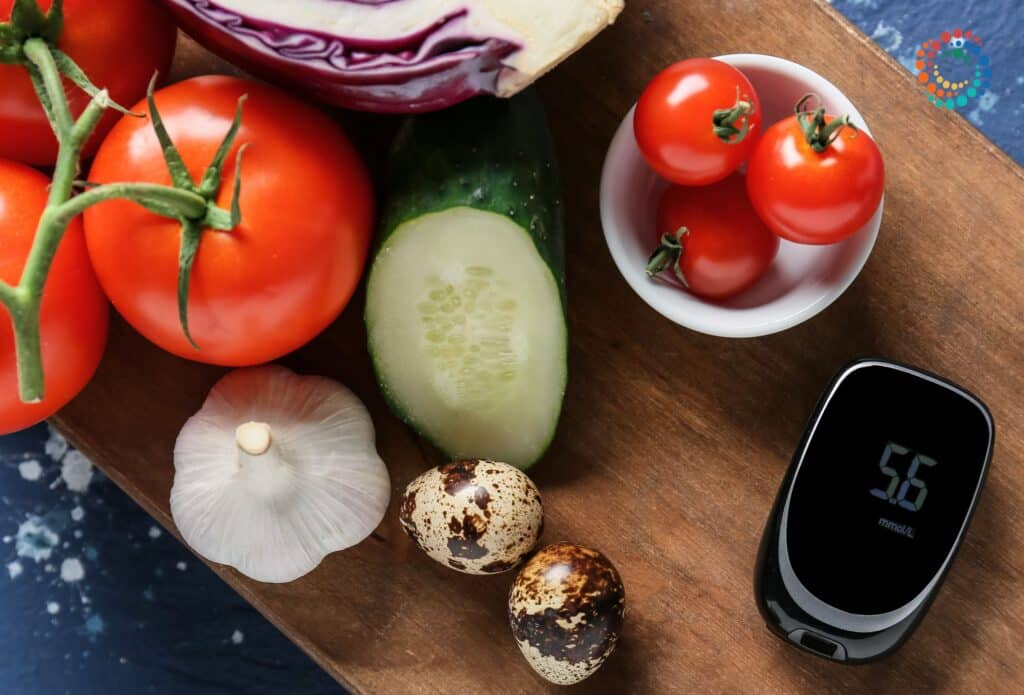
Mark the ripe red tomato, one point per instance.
(697, 121)
(813, 197)
(279, 278)
(726, 248)
(74, 315)
(118, 43)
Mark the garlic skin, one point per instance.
(275, 472)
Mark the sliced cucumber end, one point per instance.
(468, 336)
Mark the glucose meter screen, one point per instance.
(903, 486)
(883, 489)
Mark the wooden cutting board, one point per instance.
(672, 443)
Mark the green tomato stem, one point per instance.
(723, 121)
(819, 134)
(668, 254)
(8, 294)
(29, 41)
(38, 51)
(25, 318)
(177, 203)
(24, 301)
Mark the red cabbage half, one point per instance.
(396, 56)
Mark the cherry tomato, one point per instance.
(697, 121)
(811, 196)
(712, 239)
(74, 315)
(279, 278)
(119, 44)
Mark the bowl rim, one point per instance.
(705, 322)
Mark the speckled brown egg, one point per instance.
(566, 609)
(479, 517)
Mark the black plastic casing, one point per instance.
(781, 611)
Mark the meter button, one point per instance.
(818, 644)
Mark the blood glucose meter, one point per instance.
(872, 510)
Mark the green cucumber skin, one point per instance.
(490, 154)
(486, 153)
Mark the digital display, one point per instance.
(883, 489)
(898, 487)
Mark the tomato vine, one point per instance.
(29, 39)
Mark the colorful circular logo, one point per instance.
(953, 68)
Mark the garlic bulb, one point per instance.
(275, 471)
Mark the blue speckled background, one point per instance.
(94, 598)
(900, 26)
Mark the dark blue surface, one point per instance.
(95, 598)
(147, 617)
(901, 26)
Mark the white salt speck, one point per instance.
(71, 570)
(182, 566)
(986, 103)
(76, 471)
(77, 533)
(237, 637)
(154, 532)
(35, 540)
(123, 660)
(30, 470)
(14, 569)
(8, 539)
(56, 445)
(48, 567)
(887, 36)
(77, 514)
(52, 607)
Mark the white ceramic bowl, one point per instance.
(802, 280)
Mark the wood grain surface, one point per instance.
(672, 443)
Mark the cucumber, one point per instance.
(465, 306)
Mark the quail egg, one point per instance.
(478, 517)
(566, 609)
